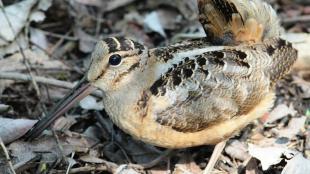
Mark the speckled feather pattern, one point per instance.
(203, 89)
(195, 87)
(199, 91)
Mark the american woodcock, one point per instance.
(195, 92)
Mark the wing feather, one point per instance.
(218, 80)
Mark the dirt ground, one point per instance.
(45, 48)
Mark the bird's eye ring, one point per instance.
(115, 59)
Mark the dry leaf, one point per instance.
(86, 41)
(186, 168)
(153, 22)
(38, 38)
(297, 165)
(237, 150)
(12, 47)
(13, 21)
(24, 151)
(169, 19)
(35, 58)
(64, 123)
(189, 8)
(4, 108)
(252, 167)
(92, 159)
(106, 5)
(269, 156)
(90, 2)
(12, 129)
(18, 14)
(125, 169)
(279, 112)
(294, 127)
(90, 103)
(301, 42)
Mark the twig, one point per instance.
(214, 157)
(161, 157)
(154, 162)
(59, 42)
(87, 169)
(123, 151)
(7, 156)
(24, 165)
(242, 167)
(60, 147)
(43, 80)
(66, 36)
(305, 18)
(70, 163)
(48, 81)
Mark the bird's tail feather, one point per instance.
(237, 21)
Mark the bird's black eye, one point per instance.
(115, 59)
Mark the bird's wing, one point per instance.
(217, 85)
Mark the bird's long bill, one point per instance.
(80, 91)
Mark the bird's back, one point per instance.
(225, 82)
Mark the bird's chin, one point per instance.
(103, 85)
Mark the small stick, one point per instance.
(7, 156)
(23, 77)
(70, 163)
(214, 157)
(159, 159)
(87, 169)
(43, 80)
(66, 36)
(305, 18)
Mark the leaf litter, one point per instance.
(57, 38)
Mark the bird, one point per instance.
(192, 93)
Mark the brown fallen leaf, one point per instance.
(252, 167)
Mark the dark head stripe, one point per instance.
(122, 44)
(112, 44)
(126, 44)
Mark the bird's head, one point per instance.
(113, 61)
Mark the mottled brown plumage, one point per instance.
(195, 92)
(236, 21)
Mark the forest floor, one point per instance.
(51, 41)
